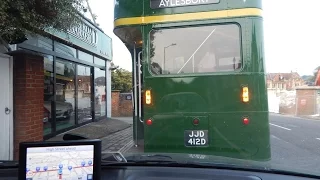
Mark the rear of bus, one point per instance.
(205, 89)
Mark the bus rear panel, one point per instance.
(206, 90)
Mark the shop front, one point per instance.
(60, 81)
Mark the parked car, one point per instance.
(63, 111)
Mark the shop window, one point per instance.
(48, 94)
(84, 77)
(65, 50)
(65, 94)
(39, 41)
(100, 93)
(85, 56)
(99, 61)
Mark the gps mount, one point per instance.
(72, 137)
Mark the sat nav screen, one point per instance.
(60, 162)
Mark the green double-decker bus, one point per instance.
(198, 76)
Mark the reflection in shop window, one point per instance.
(99, 61)
(85, 56)
(66, 50)
(84, 94)
(100, 92)
(39, 41)
(65, 94)
(48, 94)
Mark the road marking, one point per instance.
(318, 138)
(280, 127)
(292, 126)
(275, 137)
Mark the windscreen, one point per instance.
(60, 162)
(198, 49)
(189, 81)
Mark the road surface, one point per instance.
(295, 142)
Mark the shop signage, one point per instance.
(87, 36)
(84, 33)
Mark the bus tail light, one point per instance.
(246, 121)
(245, 94)
(149, 122)
(148, 97)
(195, 121)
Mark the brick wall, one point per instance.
(115, 103)
(121, 106)
(307, 101)
(28, 84)
(125, 105)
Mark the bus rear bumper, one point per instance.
(227, 135)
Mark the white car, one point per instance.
(63, 110)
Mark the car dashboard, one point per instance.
(115, 166)
(116, 172)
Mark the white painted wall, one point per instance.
(280, 98)
(108, 76)
(273, 101)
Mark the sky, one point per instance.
(291, 34)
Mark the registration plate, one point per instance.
(196, 138)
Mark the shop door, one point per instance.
(6, 128)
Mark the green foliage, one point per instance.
(121, 79)
(152, 44)
(21, 17)
(152, 48)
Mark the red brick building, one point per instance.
(53, 84)
(121, 104)
(284, 81)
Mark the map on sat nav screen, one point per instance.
(60, 162)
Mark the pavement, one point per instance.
(114, 133)
(119, 141)
(128, 120)
(316, 117)
(311, 117)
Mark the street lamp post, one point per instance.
(164, 55)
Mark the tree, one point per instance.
(21, 17)
(121, 79)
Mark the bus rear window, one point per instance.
(195, 49)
